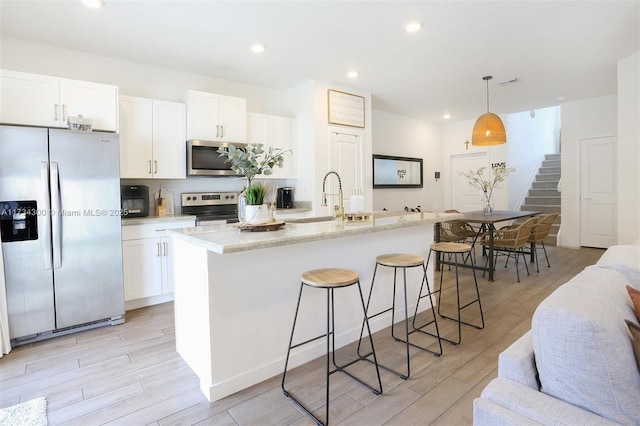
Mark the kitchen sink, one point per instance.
(313, 219)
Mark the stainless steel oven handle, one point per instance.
(56, 216)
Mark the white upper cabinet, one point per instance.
(216, 117)
(40, 100)
(152, 138)
(276, 132)
(169, 140)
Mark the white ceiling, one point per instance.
(557, 49)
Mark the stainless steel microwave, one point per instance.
(203, 158)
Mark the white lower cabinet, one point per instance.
(148, 262)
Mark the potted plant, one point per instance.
(256, 212)
(250, 162)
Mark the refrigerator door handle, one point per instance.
(56, 219)
(46, 237)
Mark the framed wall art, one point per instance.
(346, 109)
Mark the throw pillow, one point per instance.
(635, 340)
(635, 299)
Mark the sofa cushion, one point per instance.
(535, 407)
(517, 362)
(628, 255)
(582, 348)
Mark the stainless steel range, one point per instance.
(211, 207)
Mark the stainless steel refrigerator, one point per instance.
(60, 229)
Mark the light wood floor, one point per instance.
(131, 375)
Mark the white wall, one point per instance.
(591, 118)
(529, 139)
(407, 137)
(629, 149)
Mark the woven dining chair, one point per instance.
(539, 233)
(511, 240)
(459, 231)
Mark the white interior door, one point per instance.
(598, 192)
(346, 157)
(464, 198)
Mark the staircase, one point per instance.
(543, 194)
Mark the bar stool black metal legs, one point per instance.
(456, 249)
(329, 279)
(403, 261)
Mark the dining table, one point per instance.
(487, 223)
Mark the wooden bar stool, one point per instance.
(455, 249)
(402, 261)
(329, 279)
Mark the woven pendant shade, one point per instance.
(488, 130)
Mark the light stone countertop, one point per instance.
(228, 238)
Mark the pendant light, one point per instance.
(488, 129)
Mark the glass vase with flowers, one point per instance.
(478, 180)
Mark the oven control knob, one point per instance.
(188, 198)
(232, 196)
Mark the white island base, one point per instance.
(236, 292)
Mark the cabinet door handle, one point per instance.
(64, 112)
(55, 111)
(155, 165)
(149, 167)
(222, 130)
(159, 250)
(166, 249)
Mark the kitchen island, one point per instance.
(236, 291)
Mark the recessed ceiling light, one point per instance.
(446, 116)
(258, 48)
(353, 74)
(93, 4)
(412, 27)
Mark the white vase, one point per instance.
(257, 214)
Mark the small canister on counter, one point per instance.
(284, 199)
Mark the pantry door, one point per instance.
(598, 192)
(464, 198)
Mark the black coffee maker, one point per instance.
(284, 199)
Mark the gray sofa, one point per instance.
(576, 365)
